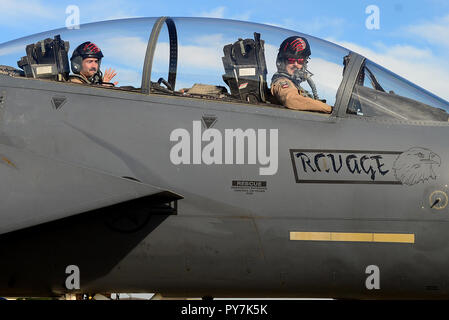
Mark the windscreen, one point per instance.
(380, 93)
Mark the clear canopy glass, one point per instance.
(382, 94)
(200, 44)
(122, 42)
(200, 51)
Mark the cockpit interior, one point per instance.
(218, 59)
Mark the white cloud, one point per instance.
(214, 13)
(15, 13)
(434, 32)
(220, 12)
(275, 24)
(271, 53)
(134, 57)
(110, 10)
(12, 49)
(244, 16)
(116, 16)
(414, 62)
(33, 15)
(211, 39)
(204, 55)
(193, 57)
(327, 78)
(317, 25)
(125, 77)
(419, 66)
(313, 26)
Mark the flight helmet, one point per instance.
(292, 48)
(85, 50)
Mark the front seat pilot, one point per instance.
(85, 63)
(293, 54)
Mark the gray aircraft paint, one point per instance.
(219, 242)
(221, 234)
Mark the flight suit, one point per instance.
(77, 80)
(289, 96)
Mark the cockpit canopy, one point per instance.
(188, 55)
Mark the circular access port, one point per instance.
(438, 200)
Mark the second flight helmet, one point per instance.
(85, 50)
(294, 47)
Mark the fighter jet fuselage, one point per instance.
(155, 190)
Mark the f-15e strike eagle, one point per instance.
(188, 179)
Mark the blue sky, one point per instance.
(412, 39)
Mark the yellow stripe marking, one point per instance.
(311, 236)
(353, 237)
(400, 238)
(363, 237)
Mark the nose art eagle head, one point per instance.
(416, 165)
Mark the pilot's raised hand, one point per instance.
(108, 75)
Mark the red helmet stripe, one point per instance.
(298, 44)
(294, 41)
(92, 47)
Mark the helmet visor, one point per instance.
(293, 60)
